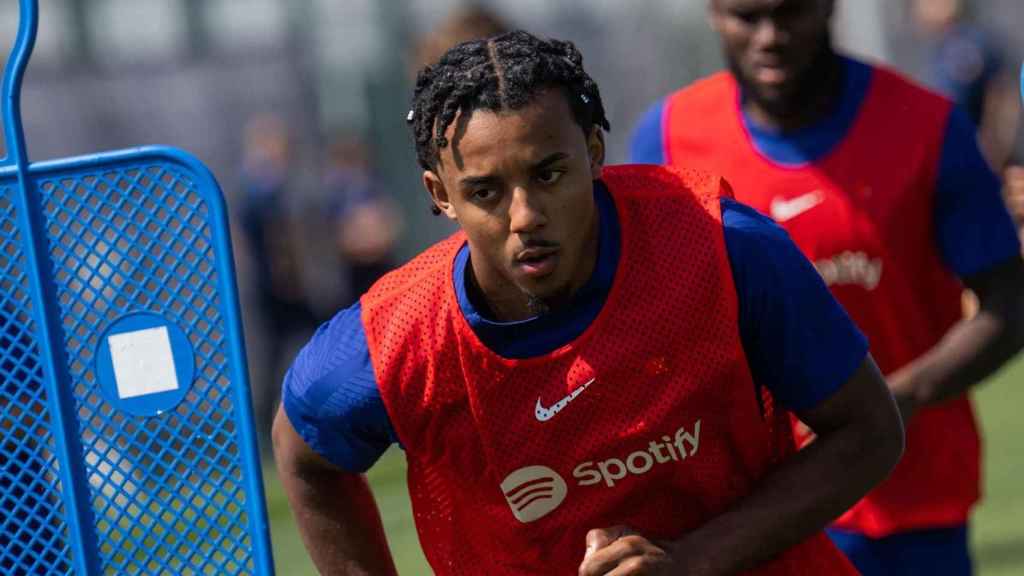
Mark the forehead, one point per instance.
(544, 125)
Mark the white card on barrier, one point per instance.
(143, 362)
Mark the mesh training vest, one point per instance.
(863, 215)
(648, 419)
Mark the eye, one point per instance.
(484, 195)
(749, 17)
(549, 177)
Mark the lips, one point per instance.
(771, 73)
(536, 262)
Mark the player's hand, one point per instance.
(618, 551)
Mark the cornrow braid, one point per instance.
(500, 73)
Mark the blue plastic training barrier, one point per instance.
(126, 434)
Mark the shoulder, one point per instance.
(647, 182)
(904, 95)
(428, 271)
(339, 341)
(971, 45)
(646, 144)
(331, 397)
(748, 231)
(761, 252)
(332, 376)
(410, 316)
(703, 94)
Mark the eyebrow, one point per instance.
(551, 159)
(475, 181)
(486, 180)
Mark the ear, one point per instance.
(595, 149)
(712, 16)
(438, 193)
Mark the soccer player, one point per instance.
(967, 64)
(469, 22)
(591, 375)
(882, 186)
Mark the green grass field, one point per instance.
(998, 531)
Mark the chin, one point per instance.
(553, 294)
(777, 101)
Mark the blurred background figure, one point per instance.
(365, 221)
(270, 241)
(967, 62)
(465, 23)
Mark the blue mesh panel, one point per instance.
(167, 491)
(32, 528)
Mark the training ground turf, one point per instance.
(997, 531)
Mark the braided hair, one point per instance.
(500, 73)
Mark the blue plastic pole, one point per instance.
(77, 511)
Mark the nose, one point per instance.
(526, 213)
(769, 33)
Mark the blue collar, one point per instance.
(812, 143)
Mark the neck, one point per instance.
(815, 98)
(500, 301)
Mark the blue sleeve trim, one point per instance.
(974, 230)
(647, 145)
(799, 342)
(331, 397)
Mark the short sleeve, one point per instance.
(331, 398)
(800, 343)
(647, 144)
(973, 228)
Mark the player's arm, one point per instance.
(1013, 190)
(860, 439)
(803, 347)
(647, 144)
(974, 348)
(1000, 116)
(335, 510)
(979, 242)
(331, 427)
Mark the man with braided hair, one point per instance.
(578, 376)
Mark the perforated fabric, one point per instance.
(648, 419)
(167, 493)
(33, 532)
(864, 215)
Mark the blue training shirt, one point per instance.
(331, 397)
(974, 231)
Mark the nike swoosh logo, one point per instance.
(784, 210)
(544, 414)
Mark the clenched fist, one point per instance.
(618, 551)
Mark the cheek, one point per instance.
(574, 208)
(487, 235)
(735, 35)
(809, 35)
